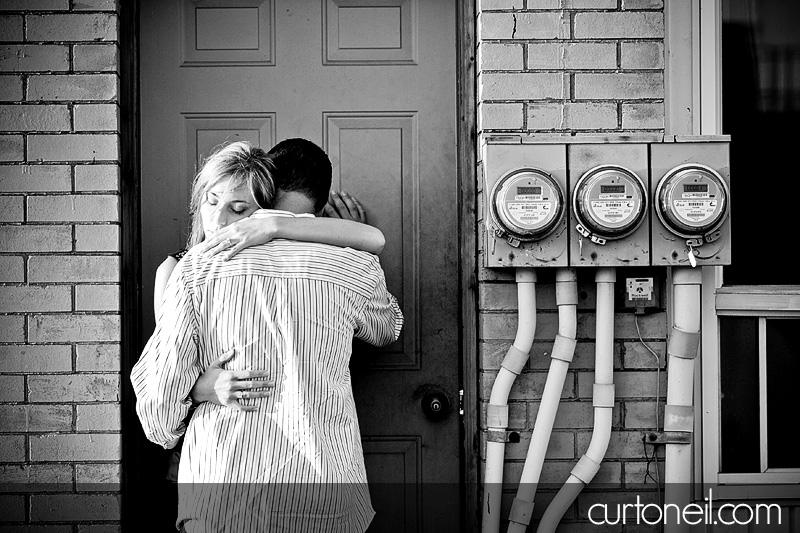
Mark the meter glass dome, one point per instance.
(692, 200)
(610, 201)
(527, 203)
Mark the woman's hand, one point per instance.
(227, 387)
(343, 205)
(239, 235)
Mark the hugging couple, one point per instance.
(254, 331)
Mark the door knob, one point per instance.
(435, 405)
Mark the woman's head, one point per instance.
(234, 181)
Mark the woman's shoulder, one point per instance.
(178, 255)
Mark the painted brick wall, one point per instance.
(59, 265)
(571, 67)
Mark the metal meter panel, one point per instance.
(691, 202)
(609, 193)
(524, 204)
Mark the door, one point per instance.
(373, 83)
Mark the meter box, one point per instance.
(691, 201)
(524, 204)
(609, 200)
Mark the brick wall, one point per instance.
(59, 265)
(571, 67)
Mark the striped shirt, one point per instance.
(292, 308)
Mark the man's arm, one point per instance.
(381, 320)
(167, 368)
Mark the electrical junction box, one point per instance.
(690, 189)
(609, 194)
(524, 203)
(641, 293)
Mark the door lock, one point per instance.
(435, 405)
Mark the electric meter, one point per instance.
(527, 204)
(692, 201)
(609, 203)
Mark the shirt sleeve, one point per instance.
(167, 368)
(381, 320)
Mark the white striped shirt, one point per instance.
(291, 308)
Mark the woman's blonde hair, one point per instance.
(243, 164)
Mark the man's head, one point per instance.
(302, 168)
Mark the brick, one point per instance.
(12, 329)
(94, 5)
(73, 87)
(12, 269)
(626, 384)
(637, 356)
(73, 208)
(523, 86)
(642, 4)
(98, 358)
(30, 298)
(34, 5)
(620, 86)
(27, 528)
(97, 298)
(34, 58)
(96, 177)
(35, 238)
(643, 116)
(74, 328)
(75, 447)
(578, 415)
(73, 388)
(73, 268)
(13, 389)
(488, 5)
(500, 116)
(35, 418)
(96, 117)
(35, 358)
(32, 478)
(72, 27)
(636, 473)
(504, 326)
(619, 25)
(85, 147)
(642, 55)
(99, 528)
(74, 507)
(35, 117)
(522, 26)
(10, 88)
(495, 56)
(35, 178)
(12, 449)
(10, 28)
(13, 507)
(527, 386)
(98, 477)
(643, 414)
(587, 5)
(95, 57)
(99, 417)
(572, 56)
(623, 444)
(11, 209)
(12, 148)
(572, 116)
(97, 238)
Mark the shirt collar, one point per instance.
(261, 213)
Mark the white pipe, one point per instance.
(561, 356)
(603, 400)
(497, 410)
(679, 411)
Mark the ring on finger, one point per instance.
(227, 243)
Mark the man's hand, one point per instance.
(234, 238)
(343, 205)
(227, 387)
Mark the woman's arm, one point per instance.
(162, 275)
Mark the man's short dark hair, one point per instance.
(304, 167)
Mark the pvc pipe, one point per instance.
(679, 411)
(561, 356)
(603, 401)
(497, 411)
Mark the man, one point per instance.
(290, 460)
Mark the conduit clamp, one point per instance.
(683, 344)
(603, 395)
(679, 418)
(497, 416)
(585, 469)
(564, 348)
(515, 360)
(494, 435)
(521, 512)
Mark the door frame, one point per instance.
(131, 274)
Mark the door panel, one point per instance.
(373, 83)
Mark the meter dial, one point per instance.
(692, 200)
(527, 203)
(610, 201)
